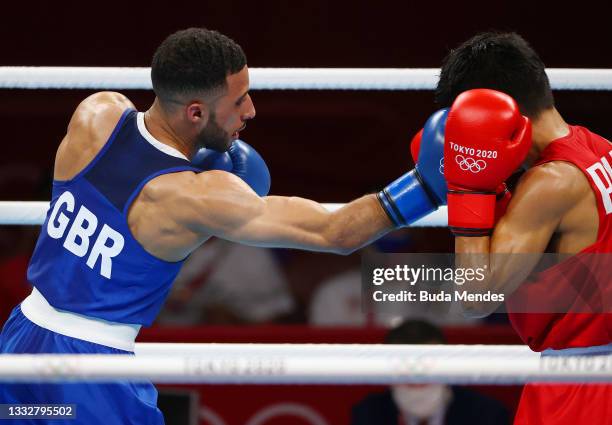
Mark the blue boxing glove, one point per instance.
(241, 160)
(422, 190)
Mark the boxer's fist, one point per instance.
(422, 190)
(430, 163)
(241, 160)
(487, 139)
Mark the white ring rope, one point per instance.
(311, 364)
(117, 78)
(33, 213)
(27, 213)
(11, 77)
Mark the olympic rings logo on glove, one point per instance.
(471, 164)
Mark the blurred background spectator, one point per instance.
(426, 404)
(227, 283)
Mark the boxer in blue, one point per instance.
(134, 194)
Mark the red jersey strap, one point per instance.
(579, 147)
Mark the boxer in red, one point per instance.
(563, 203)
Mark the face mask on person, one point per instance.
(422, 401)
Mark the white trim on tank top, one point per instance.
(142, 128)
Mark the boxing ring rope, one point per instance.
(47, 77)
(34, 212)
(311, 364)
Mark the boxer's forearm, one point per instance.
(502, 266)
(473, 253)
(289, 222)
(357, 224)
(295, 222)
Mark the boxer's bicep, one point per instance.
(228, 208)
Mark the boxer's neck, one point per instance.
(546, 128)
(167, 130)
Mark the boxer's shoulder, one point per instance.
(97, 115)
(557, 177)
(551, 189)
(90, 127)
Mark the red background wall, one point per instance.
(316, 143)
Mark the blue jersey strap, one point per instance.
(596, 350)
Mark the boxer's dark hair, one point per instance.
(415, 332)
(193, 61)
(499, 61)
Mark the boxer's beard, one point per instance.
(213, 136)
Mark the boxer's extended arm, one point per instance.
(221, 204)
(543, 197)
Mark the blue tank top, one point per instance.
(86, 260)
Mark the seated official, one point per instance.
(426, 404)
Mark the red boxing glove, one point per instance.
(415, 146)
(487, 138)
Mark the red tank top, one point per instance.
(592, 154)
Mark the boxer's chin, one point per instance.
(217, 142)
